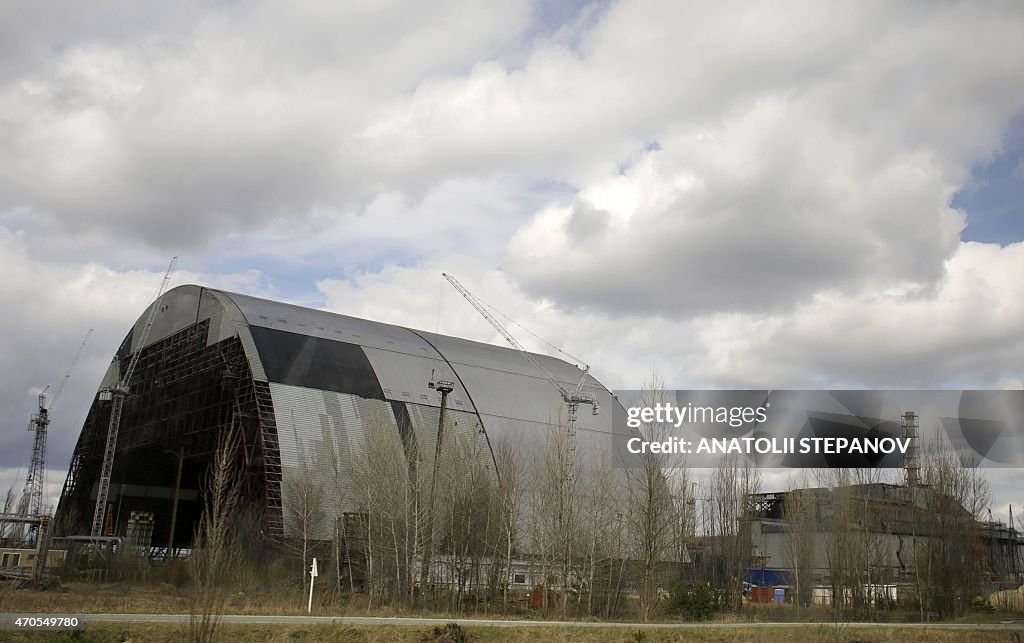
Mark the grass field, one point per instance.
(164, 598)
(86, 598)
(159, 633)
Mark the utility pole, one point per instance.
(444, 387)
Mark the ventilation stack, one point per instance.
(911, 461)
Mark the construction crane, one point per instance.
(35, 481)
(118, 393)
(572, 399)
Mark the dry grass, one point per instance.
(158, 633)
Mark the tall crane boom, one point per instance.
(35, 480)
(119, 392)
(67, 375)
(572, 398)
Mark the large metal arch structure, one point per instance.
(301, 385)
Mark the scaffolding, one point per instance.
(184, 393)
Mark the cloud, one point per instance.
(735, 195)
(223, 123)
(811, 177)
(51, 305)
(695, 227)
(961, 333)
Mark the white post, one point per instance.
(312, 574)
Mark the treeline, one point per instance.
(528, 525)
(494, 528)
(919, 546)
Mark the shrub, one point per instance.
(695, 602)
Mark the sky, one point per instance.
(736, 195)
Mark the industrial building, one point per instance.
(303, 387)
(876, 528)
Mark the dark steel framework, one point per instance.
(184, 395)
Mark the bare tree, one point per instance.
(512, 479)
(602, 508)
(731, 484)
(554, 512)
(650, 510)
(949, 555)
(303, 497)
(468, 516)
(800, 515)
(212, 556)
(388, 498)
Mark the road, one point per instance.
(368, 620)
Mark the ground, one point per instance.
(164, 598)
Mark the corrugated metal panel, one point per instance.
(178, 309)
(224, 319)
(233, 317)
(462, 426)
(487, 371)
(110, 377)
(404, 377)
(210, 308)
(322, 436)
(512, 397)
(503, 358)
(253, 355)
(319, 323)
(502, 383)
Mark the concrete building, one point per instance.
(881, 526)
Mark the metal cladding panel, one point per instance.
(388, 348)
(178, 309)
(253, 355)
(404, 377)
(461, 426)
(530, 398)
(183, 306)
(110, 377)
(322, 436)
(327, 325)
(502, 382)
(210, 308)
(223, 315)
(530, 437)
(315, 362)
(498, 382)
(512, 396)
(503, 358)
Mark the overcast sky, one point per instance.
(795, 195)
